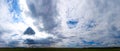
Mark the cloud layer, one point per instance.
(44, 11)
(62, 23)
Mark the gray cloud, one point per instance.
(45, 11)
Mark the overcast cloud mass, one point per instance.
(60, 23)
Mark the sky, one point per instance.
(59, 23)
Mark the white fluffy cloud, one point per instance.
(96, 19)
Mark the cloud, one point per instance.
(93, 23)
(44, 42)
(10, 20)
(44, 11)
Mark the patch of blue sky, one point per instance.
(72, 23)
(15, 9)
(16, 19)
(73, 44)
(90, 42)
(14, 6)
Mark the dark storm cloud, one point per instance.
(44, 10)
